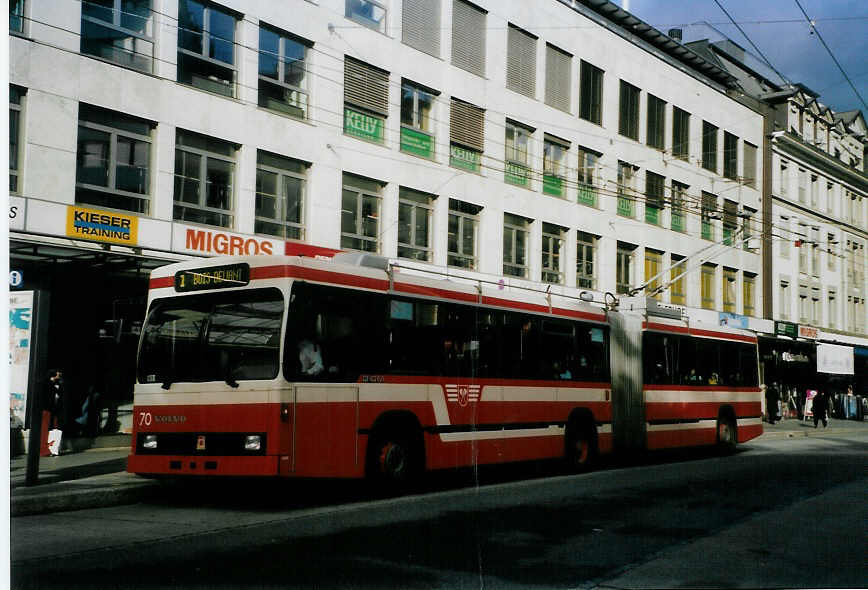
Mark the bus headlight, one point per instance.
(150, 441)
(252, 442)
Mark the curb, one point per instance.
(90, 495)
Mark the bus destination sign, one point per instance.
(212, 277)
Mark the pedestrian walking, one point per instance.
(821, 405)
(772, 398)
(55, 399)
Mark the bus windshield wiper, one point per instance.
(231, 382)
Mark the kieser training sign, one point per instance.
(102, 226)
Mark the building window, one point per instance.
(803, 186)
(366, 100)
(749, 151)
(815, 251)
(656, 122)
(626, 189)
(709, 146)
(628, 111)
(521, 61)
(830, 198)
(206, 47)
(680, 133)
(552, 253)
(554, 166)
(204, 179)
(462, 231)
(417, 104)
(832, 310)
(706, 286)
(802, 245)
(558, 78)
(515, 234)
(729, 285)
(816, 311)
(784, 237)
(784, 303)
(679, 194)
(730, 155)
(281, 185)
(831, 250)
(785, 179)
(468, 37)
(677, 294)
(815, 190)
(415, 215)
(420, 25)
(517, 167)
(589, 164)
(113, 160)
(586, 256)
(653, 268)
(466, 135)
(119, 31)
(368, 13)
(730, 221)
(591, 93)
(360, 213)
(16, 16)
(749, 294)
(16, 96)
(653, 197)
(746, 230)
(707, 214)
(624, 267)
(283, 79)
(804, 305)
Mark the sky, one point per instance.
(782, 34)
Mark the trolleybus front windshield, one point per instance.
(228, 336)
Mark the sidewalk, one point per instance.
(96, 477)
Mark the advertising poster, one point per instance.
(20, 316)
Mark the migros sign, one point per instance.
(197, 240)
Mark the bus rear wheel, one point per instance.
(727, 437)
(393, 461)
(581, 450)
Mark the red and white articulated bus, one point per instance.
(357, 367)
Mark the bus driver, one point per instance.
(310, 357)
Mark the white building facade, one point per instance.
(537, 143)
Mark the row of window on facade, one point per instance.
(841, 202)
(121, 31)
(810, 244)
(811, 307)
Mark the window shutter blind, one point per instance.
(521, 62)
(366, 86)
(467, 125)
(558, 78)
(420, 25)
(468, 37)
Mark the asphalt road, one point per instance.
(779, 513)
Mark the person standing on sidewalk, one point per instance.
(772, 397)
(821, 405)
(56, 399)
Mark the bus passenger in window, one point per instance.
(310, 357)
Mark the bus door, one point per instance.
(325, 440)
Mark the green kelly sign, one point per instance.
(416, 142)
(787, 329)
(517, 174)
(553, 185)
(362, 125)
(460, 157)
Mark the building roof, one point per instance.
(632, 25)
